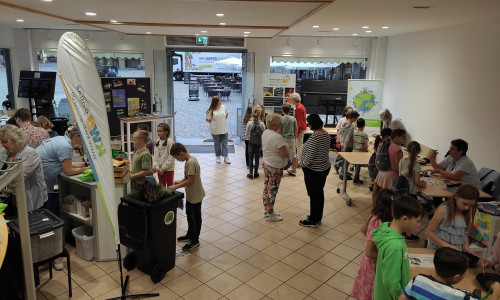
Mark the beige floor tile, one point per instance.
(227, 228)
(259, 228)
(304, 283)
(342, 283)
(88, 274)
(224, 283)
(324, 243)
(211, 236)
(226, 243)
(287, 292)
(242, 235)
(108, 266)
(172, 274)
(208, 251)
(351, 270)
(297, 260)
(345, 252)
(183, 284)
(133, 274)
(100, 286)
(311, 251)
(116, 292)
(55, 287)
(273, 235)
(225, 261)
(319, 271)
(328, 292)
(356, 243)
(77, 263)
(201, 293)
(244, 292)
(243, 271)
(78, 293)
(261, 261)
(264, 283)
(142, 285)
(189, 262)
(205, 272)
(281, 271)
(242, 251)
(165, 293)
(277, 251)
(40, 295)
(292, 243)
(259, 243)
(305, 235)
(336, 235)
(333, 261)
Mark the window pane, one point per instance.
(4, 81)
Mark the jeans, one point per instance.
(357, 169)
(315, 183)
(253, 156)
(193, 214)
(220, 144)
(247, 142)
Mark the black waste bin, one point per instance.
(149, 229)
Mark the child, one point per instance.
(360, 144)
(450, 266)
(246, 118)
(346, 134)
(194, 195)
(410, 168)
(393, 266)
(453, 220)
(381, 212)
(494, 258)
(164, 163)
(142, 163)
(254, 143)
(289, 131)
(149, 144)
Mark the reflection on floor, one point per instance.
(241, 255)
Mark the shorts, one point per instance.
(290, 147)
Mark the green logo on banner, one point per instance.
(201, 40)
(372, 123)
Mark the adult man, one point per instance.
(36, 135)
(300, 116)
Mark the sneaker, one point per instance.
(190, 246)
(276, 213)
(250, 176)
(319, 222)
(337, 167)
(273, 217)
(255, 175)
(184, 238)
(348, 177)
(357, 181)
(412, 237)
(307, 223)
(292, 172)
(217, 159)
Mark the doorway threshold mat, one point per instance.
(206, 148)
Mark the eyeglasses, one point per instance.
(453, 148)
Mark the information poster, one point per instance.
(276, 88)
(365, 96)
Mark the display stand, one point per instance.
(14, 174)
(153, 119)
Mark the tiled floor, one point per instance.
(241, 255)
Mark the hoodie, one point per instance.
(393, 265)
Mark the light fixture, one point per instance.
(368, 31)
(318, 42)
(385, 27)
(219, 15)
(355, 34)
(197, 34)
(89, 13)
(203, 31)
(121, 37)
(19, 20)
(355, 43)
(46, 0)
(288, 41)
(336, 28)
(245, 35)
(113, 21)
(246, 32)
(148, 32)
(222, 24)
(365, 27)
(315, 26)
(86, 35)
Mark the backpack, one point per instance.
(372, 168)
(490, 181)
(256, 135)
(383, 161)
(401, 186)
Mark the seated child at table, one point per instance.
(450, 266)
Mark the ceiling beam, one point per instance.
(181, 25)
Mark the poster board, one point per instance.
(276, 88)
(365, 96)
(125, 97)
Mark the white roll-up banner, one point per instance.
(82, 85)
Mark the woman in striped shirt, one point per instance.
(316, 167)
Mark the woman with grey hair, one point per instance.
(15, 146)
(274, 160)
(389, 122)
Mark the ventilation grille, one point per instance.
(212, 42)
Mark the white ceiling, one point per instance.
(264, 19)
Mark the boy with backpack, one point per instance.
(289, 131)
(255, 128)
(346, 134)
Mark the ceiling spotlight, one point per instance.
(385, 27)
(19, 20)
(113, 21)
(89, 13)
(365, 27)
(203, 31)
(148, 32)
(368, 31)
(355, 34)
(246, 32)
(336, 28)
(245, 35)
(46, 0)
(219, 15)
(222, 24)
(315, 26)
(196, 34)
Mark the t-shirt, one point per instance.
(218, 123)
(359, 139)
(36, 135)
(465, 165)
(404, 165)
(52, 153)
(194, 192)
(288, 126)
(142, 161)
(427, 287)
(300, 116)
(271, 142)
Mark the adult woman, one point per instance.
(390, 122)
(15, 143)
(274, 157)
(385, 179)
(57, 156)
(316, 166)
(216, 116)
(47, 125)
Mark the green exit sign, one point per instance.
(201, 40)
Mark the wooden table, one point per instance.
(331, 131)
(439, 190)
(354, 158)
(5, 239)
(468, 283)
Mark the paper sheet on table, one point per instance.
(421, 260)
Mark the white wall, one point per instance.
(444, 85)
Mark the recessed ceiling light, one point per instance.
(219, 15)
(355, 34)
(222, 24)
(46, 0)
(20, 20)
(368, 31)
(245, 35)
(315, 26)
(246, 32)
(365, 27)
(113, 21)
(148, 32)
(385, 27)
(203, 31)
(89, 13)
(336, 28)
(196, 34)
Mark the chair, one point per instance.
(36, 265)
(225, 93)
(212, 94)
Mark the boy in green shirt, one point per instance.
(194, 195)
(142, 162)
(289, 132)
(393, 266)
